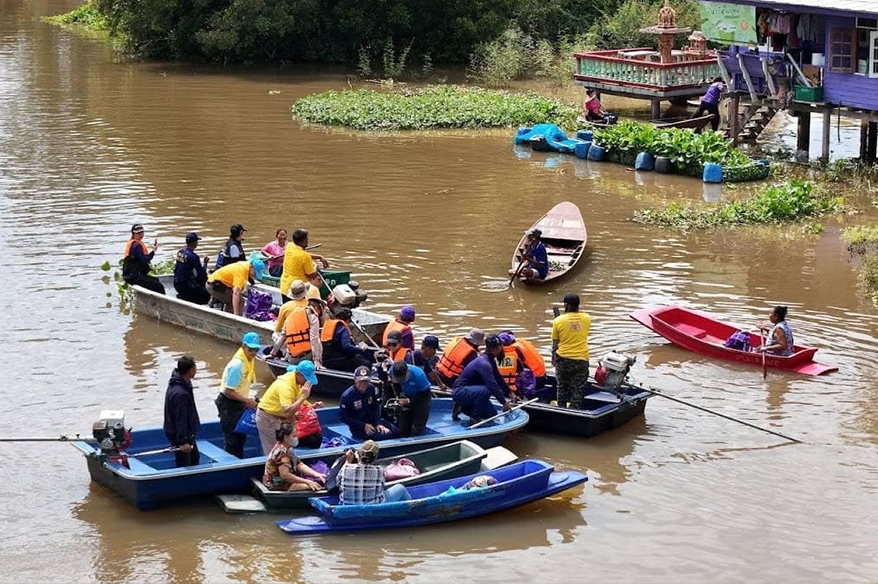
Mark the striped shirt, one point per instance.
(361, 484)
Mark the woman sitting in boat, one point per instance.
(592, 108)
(285, 472)
(780, 337)
(275, 252)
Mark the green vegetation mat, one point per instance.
(440, 106)
(792, 201)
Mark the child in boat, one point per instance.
(285, 472)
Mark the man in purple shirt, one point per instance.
(710, 102)
(479, 382)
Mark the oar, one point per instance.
(62, 438)
(520, 265)
(715, 413)
(762, 343)
(151, 452)
(509, 411)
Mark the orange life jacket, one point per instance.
(131, 268)
(454, 356)
(532, 358)
(298, 332)
(400, 354)
(393, 325)
(132, 242)
(508, 366)
(328, 332)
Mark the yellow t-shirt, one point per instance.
(571, 331)
(297, 265)
(286, 309)
(233, 275)
(280, 394)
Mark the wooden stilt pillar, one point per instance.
(827, 126)
(872, 143)
(656, 110)
(734, 102)
(803, 137)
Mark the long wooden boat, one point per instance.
(436, 464)
(516, 485)
(601, 410)
(225, 325)
(705, 335)
(565, 238)
(153, 480)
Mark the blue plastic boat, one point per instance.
(153, 480)
(545, 137)
(441, 501)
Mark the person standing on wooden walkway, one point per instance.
(570, 352)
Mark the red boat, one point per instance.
(700, 333)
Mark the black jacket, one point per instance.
(181, 415)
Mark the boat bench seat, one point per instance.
(602, 396)
(138, 467)
(214, 452)
(692, 331)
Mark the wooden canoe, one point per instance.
(704, 335)
(564, 236)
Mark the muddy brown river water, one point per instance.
(90, 144)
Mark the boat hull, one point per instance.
(154, 481)
(704, 335)
(226, 326)
(517, 485)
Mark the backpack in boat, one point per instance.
(258, 306)
(400, 469)
(739, 340)
(526, 383)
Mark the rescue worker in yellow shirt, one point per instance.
(297, 300)
(570, 352)
(228, 284)
(299, 264)
(234, 396)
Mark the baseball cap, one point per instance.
(252, 340)
(192, 236)
(297, 290)
(400, 371)
(306, 368)
(506, 338)
(476, 336)
(137, 228)
(362, 374)
(492, 342)
(535, 231)
(259, 266)
(395, 336)
(431, 341)
(407, 312)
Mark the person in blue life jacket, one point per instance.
(190, 274)
(360, 409)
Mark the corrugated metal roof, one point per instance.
(822, 6)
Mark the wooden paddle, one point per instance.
(510, 410)
(762, 346)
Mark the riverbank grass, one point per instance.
(440, 106)
(86, 16)
(862, 241)
(793, 201)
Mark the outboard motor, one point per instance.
(346, 296)
(616, 367)
(110, 434)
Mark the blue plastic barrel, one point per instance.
(644, 161)
(586, 135)
(581, 149)
(713, 173)
(663, 165)
(596, 153)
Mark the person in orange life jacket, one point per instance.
(531, 357)
(511, 362)
(479, 382)
(360, 408)
(190, 275)
(339, 350)
(459, 353)
(426, 359)
(181, 416)
(303, 330)
(416, 399)
(136, 262)
(402, 324)
(233, 250)
(396, 351)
